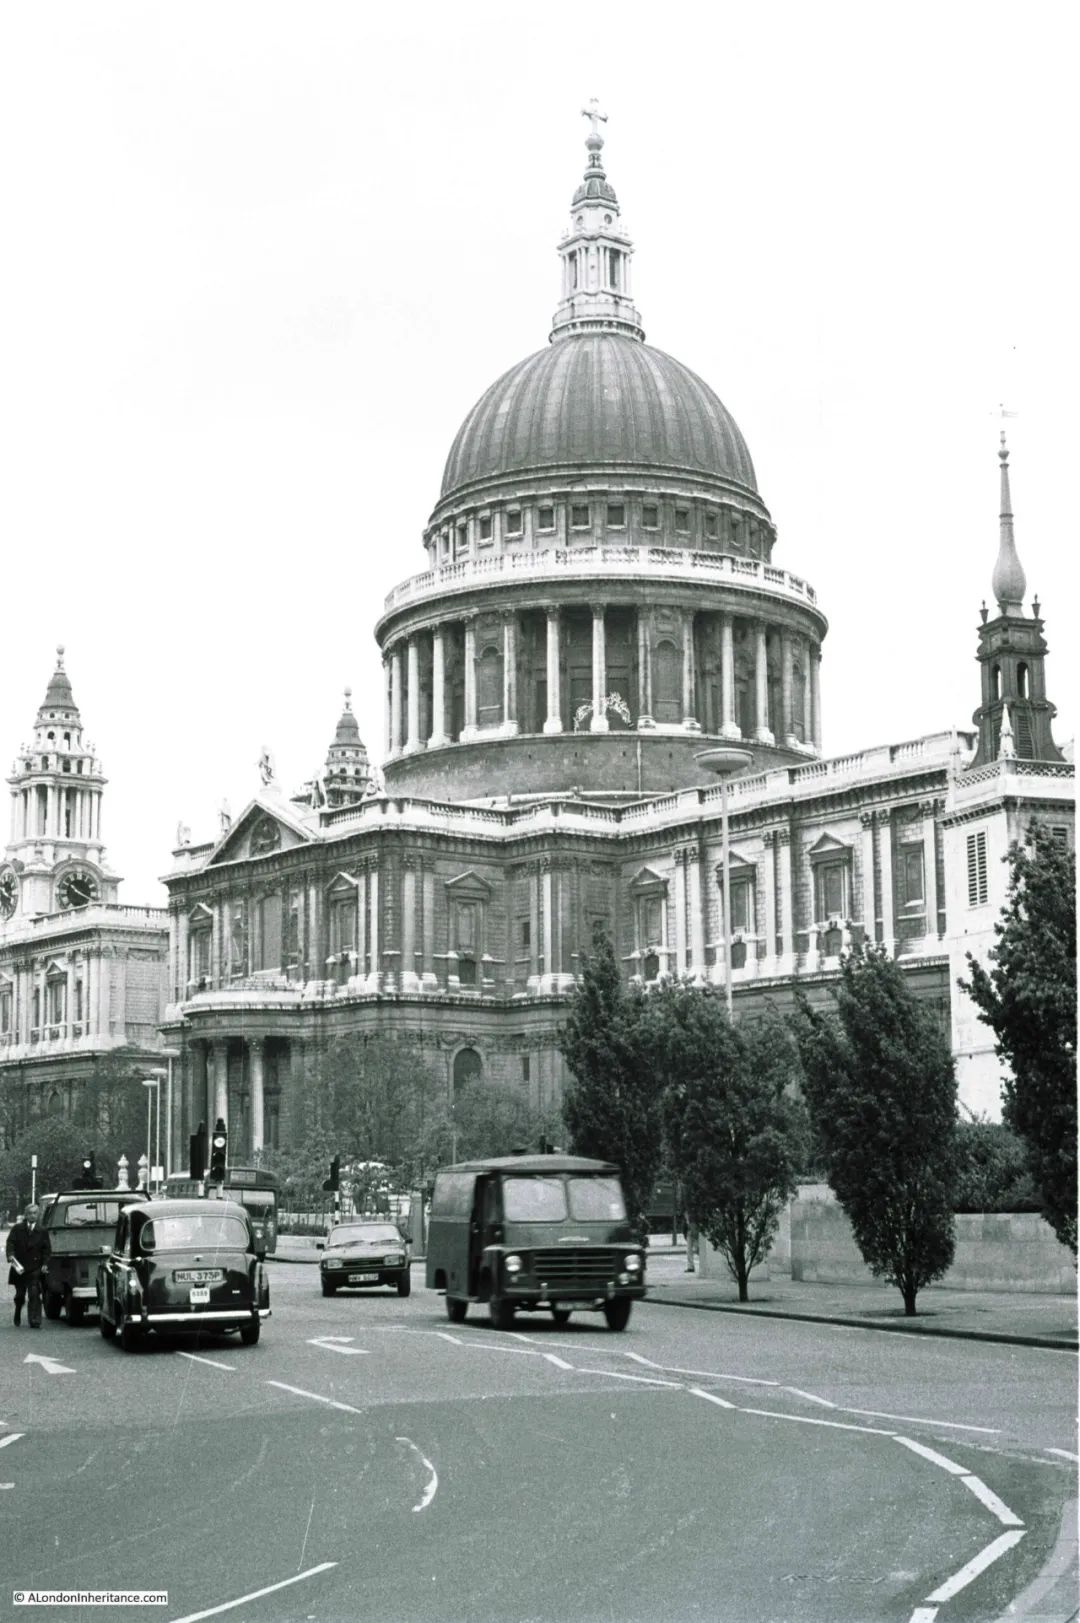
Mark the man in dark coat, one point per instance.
(27, 1251)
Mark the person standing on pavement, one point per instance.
(27, 1251)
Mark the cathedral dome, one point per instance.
(592, 398)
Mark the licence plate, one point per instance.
(200, 1295)
(363, 1279)
(197, 1276)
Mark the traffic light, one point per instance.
(88, 1178)
(333, 1182)
(218, 1145)
(197, 1152)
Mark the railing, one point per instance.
(569, 562)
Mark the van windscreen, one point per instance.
(597, 1200)
(534, 1200)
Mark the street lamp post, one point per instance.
(155, 1083)
(725, 763)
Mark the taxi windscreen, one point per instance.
(195, 1232)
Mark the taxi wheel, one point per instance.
(107, 1328)
(53, 1303)
(249, 1333)
(130, 1337)
(404, 1284)
(561, 1315)
(617, 1313)
(502, 1313)
(456, 1309)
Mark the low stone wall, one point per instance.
(1007, 1251)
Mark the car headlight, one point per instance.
(395, 1261)
(633, 1264)
(513, 1264)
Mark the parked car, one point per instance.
(356, 1254)
(80, 1225)
(182, 1265)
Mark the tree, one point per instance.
(881, 1089)
(1028, 999)
(735, 1137)
(59, 1146)
(612, 1107)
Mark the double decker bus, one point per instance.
(254, 1188)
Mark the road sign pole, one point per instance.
(33, 1180)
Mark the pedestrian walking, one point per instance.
(27, 1251)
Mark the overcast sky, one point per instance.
(260, 259)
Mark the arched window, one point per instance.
(468, 1067)
(1022, 680)
(667, 682)
(489, 686)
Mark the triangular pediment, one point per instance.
(647, 879)
(199, 916)
(469, 884)
(737, 864)
(829, 846)
(263, 828)
(342, 883)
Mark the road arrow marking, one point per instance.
(336, 1344)
(50, 1365)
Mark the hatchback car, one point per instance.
(182, 1265)
(357, 1254)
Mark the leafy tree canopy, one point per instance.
(881, 1089)
(1027, 997)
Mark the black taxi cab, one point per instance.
(182, 1265)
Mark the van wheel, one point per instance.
(617, 1313)
(75, 1311)
(456, 1309)
(561, 1315)
(53, 1303)
(249, 1333)
(502, 1313)
(107, 1328)
(130, 1337)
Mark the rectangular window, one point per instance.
(712, 525)
(616, 516)
(513, 521)
(5, 1010)
(912, 889)
(545, 518)
(526, 933)
(526, 1068)
(485, 527)
(682, 520)
(462, 539)
(579, 516)
(976, 866)
(650, 518)
(831, 887)
(1060, 837)
(56, 990)
(742, 906)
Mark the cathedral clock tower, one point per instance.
(54, 861)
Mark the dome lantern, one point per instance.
(595, 253)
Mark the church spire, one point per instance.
(595, 252)
(1009, 582)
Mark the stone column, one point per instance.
(787, 722)
(599, 721)
(510, 715)
(69, 998)
(181, 972)
(388, 701)
(680, 913)
(815, 693)
(438, 690)
(469, 729)
(553, 724)
(375, 977)
(221, 1084)
(729, 727)
(697, 923)
(808, 694)
(869, 906)
(929, 833)
(689, 684)
(548, 980)
(768, 896)
(409, 979)
(199, 1086)
(87, 992)
(256, 1047)
(762, 730)
(412, 738)
(888, 903)
(361, 920)
(428, 975)
(786, 900)
(644, 645)
(534, 929)
(395, 698)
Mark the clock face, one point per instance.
(77, 889)
(9, 893)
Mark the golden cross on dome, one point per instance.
(593, 112)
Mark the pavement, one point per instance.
(1023, 1318)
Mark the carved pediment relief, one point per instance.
(259, 831)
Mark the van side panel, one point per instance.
(449, 1226)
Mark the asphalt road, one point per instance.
(369, 1460)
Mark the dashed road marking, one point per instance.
(990, 1499)
(971, 1569)
(711, 1397)
(1063, 1453)
(812, 1420)
(316, 1397)
(337, 1344)
(213, 1362)
(12, 1438)
(921, 1420)
(933, 1456)
(257, 1594)
(560, 1363)
(644, 1380)
(810, 1397)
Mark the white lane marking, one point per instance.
(560, 1363)
(934, 1458)
(444, 1335)
(315, 1397)
(979, 1563)
(51, 1366)
(501, 1346)
(812, 1420)
(639, 1358)
(256, 1594)
(921, 1420)
(433, 1481)
(990, 1499)
(1064, 1453)
(645, 1380)
(718, 1375)
(4, 1485)
(924, 1614)
(14, 1438)
(335, 1344)
(810, 1397)
(196, 1359)
(711, 1397)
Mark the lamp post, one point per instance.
(726, 763)
(155, 1083)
